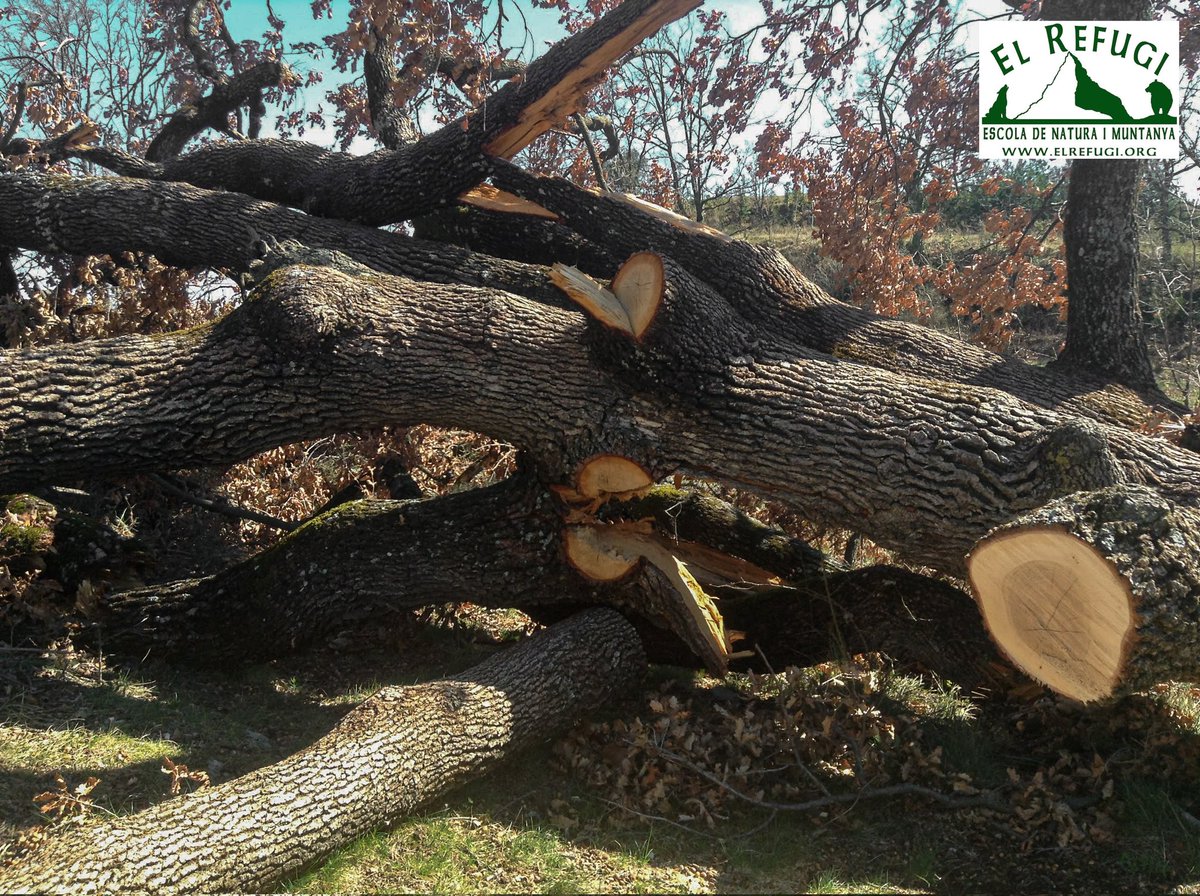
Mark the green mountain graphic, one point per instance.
(1089, 97)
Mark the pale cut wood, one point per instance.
(488, 197)
(665, 214)
(611, 474)
(631, 303)
(1058, 609)
(595, 556)
(638, 286)
(606, 552)
(568, 95)
(1096, 593)
(593, 298)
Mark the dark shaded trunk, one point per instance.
(1105, 333)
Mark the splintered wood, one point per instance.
(631, 303)
(1056, 607)
(568, 95)
(607, 552)
(486, 196)
(665, 214)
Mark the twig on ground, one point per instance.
(978, 801)
(648, 817)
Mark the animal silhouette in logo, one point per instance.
(999, 110)
(1161, 98)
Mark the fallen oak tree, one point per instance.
(508, 545)
(920, 466)
(688, 373)
(317, 325)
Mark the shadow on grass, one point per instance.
(61, 717)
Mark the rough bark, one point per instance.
(1105, 334)
(213, 109)
(91, 216)
(496, 546)
(1097, 593)
(921, 466)
(399, 749)
(393, 128)
(520, 237)
(691, 516)
(762, 285)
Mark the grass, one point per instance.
(533, 826)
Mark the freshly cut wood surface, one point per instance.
(632, 301)
(1096, 593)
(665, 214)
(605, 552)
(596, 554)
(1057, 608)
(593, 298)
(611, 474)
(638, 286)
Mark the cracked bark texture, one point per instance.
(763, 285)
(397, 750)
(921, 466)
(1105, 331)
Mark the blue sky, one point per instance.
(247, 19)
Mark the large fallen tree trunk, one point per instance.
(106, 215)
(921, 466)
(504, 545)
(400, 748)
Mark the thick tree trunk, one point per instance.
(520, 237)
(918, 465)
(399, 749)
(1104, 320)
(1105, 333)
(498, 546)
(94, 215)
(1095, 594)
(88, 216)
